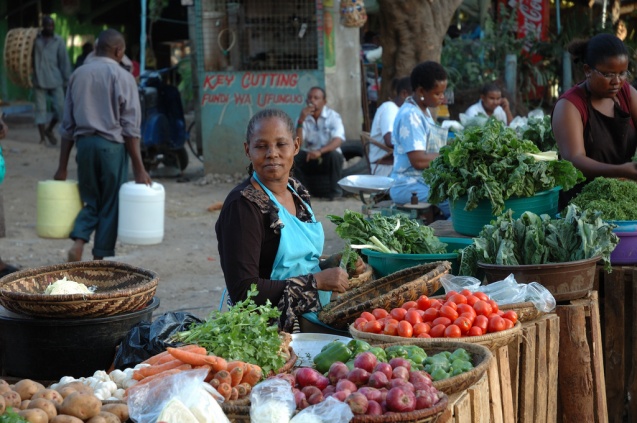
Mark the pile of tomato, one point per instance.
(459, 314)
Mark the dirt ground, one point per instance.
(187, 261)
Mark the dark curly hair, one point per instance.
(266, 114)
(426, 74)
(597, 49)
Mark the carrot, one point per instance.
(223, 377)
(162, 356)
(246, 386)
(157, 368)
(219, 363)
(210, 372)
(253, 376)
(236, 375)
(225, 390)
(189, 357)
(214, 383)
(154, 359)
(158, 376)
(234, 394)
(237, 363)
(241, 389)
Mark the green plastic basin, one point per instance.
(385, 264)
(471, 222)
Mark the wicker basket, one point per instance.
(18, 55)
(353, 13)
(480, 357)
(525, 311)
(428, 415)
(120, 288)
(387, 292)
(364, 277)
(491, 340)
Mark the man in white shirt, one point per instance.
(380, 161)
(319, 164)
(492, 104)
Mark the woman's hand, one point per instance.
(360, 266)
(333, 279)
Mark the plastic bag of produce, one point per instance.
(458, 283)
(540, 297)
(272, 401)
(506, 291)
(330, 410)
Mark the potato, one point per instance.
(4, 383)
(4, 388)
(12, 399)
(63, 418)
(34, 415)
(82, 406)
(120, 410)
(80, 387)
(50, 394)
(66, 391)
(104, 417)
(44, 404)
(24, 404)
(2, 406)
(26, 388)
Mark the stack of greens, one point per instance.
(534, 239)
(540, 132)
(491, 162)
(614, 198)
(387, 234)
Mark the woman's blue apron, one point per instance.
(300, 247)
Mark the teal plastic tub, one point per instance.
(471, 222)
(385, 264)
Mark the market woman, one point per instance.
(594, 122)
(267, 233)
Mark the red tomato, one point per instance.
(358, 323)
(405, 329)
(466, 292)
(423, 335)
(481, 296)
(436, 304)
(463, 323)
(413, 316)
(466, 308)
(380, 313)
(437, 331)
(496, 324)
(409, 304)
(458, 299)
(472, 299)
(368, 316)
(431, 314)
(398, 313)
(470, 316)
(423, 302)
(382, 322)
(449, 312)
(483, 308)
(389, 320)
(421, 328)
(507, 323)
(481, 322)
(453, 331)
(441, 321)
(391, 329)
(475, 331)
(494, 305)
(420, 312)
(499, 313)
(511, 315)
(451, 304)
(372, 327)
(449, 294)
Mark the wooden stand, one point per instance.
(470, 405)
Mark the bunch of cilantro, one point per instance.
(614, 198)
(491, 162)
(245, 332)
(387, 234)
(534, 239)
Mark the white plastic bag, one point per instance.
(272, 401)
(330, 410)
(506, 291)
(458, 283)
(540, 297)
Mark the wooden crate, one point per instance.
(618, 311)
(470, 405)
(581, 383)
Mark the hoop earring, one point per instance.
(422, 98)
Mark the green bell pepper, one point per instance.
(461, 354)
(438, 374)
(440, 360)
(330, 354)
(379, 353)
(396, 351)
(357, 346)
(459, 366)
(350, 364)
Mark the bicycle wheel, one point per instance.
(192, 141)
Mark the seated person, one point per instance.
(267, 232)
(380, 161)
(416, 136)
(492, 103)
(319, 164)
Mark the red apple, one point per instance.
(401, 400)
(378, 380)
(306, 376)
(322, 382)
(366, 361)
(338, 371)
(357, 402)
(420, 380)
(372, 394)
(400, 372)
(346, 384)
(385, 368)
(425, 399)
(374, 408)
(394, 383)
(359, 376)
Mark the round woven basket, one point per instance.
(491, 340)
(18, 55)
(364, 277)
(480, 358)
(428, 415)
(119, 288)
(525, 311)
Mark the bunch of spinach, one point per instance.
(491, 162)
(387, 234)
(614, 198)
(540, 132)
(534, 239)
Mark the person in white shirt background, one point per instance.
(381, 163)
(492, 103)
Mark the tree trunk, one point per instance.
(412, 31)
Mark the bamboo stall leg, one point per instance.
(553, 347)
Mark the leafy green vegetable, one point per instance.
(388, 234)
(490, 162)
(614, 198)
(534, 239)
(11, 416)
(540, 132)
(244, 332)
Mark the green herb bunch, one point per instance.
(614, 198)
(491, 162)
(245, 332)
(387, 234)
(539, 131)
(534, 239)
(10, 416)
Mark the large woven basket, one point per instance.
(492, 341)
(120, 288)
(387, 292)
(525, 311)
(480, 358)
(428, 415)
(18, 55)
(364, 277)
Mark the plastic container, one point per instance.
(385, 264)
(47, 349)
(626, 251)
(624, 225)
(58, 203)
(471, 222)
(141, 213)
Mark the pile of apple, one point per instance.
(371, 387)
